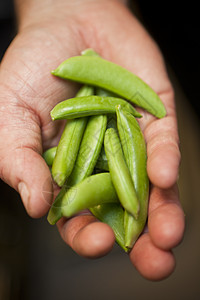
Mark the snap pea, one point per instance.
(113, 215)
(89, 149)
(118, 197)
(97, 71)
(49, 155)
(92, 191)
(89, 105)
(134, 149)
(67, 149)
(120, 174)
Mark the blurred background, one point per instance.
(34, 261)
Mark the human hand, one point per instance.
(29, 92)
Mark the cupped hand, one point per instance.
(28, 93)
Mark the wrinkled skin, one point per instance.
(28, 92)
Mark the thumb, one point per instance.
(21, 163)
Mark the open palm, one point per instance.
(29, 92)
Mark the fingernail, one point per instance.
(24, 193)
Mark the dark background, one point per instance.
(35, 263)
(175, 26)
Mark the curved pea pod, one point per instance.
(89, 105)
(67, 149)
(49, 155)
(99, 72)
(120, 174)
(94, 190)
(113, 215)
(90, 149)
(134, 149)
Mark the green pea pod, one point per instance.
(49, 155)
(99, 72)
(134, 149)
(90, 149)
(89, 105)
(113, 215)
(67, 150)
(94, 190)
(120, 174)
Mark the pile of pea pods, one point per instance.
(100, 160)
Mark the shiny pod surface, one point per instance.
(89, 105)
(134, 148)
(67, 149)
(92, 191)
(120, 174)
(97, 71)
